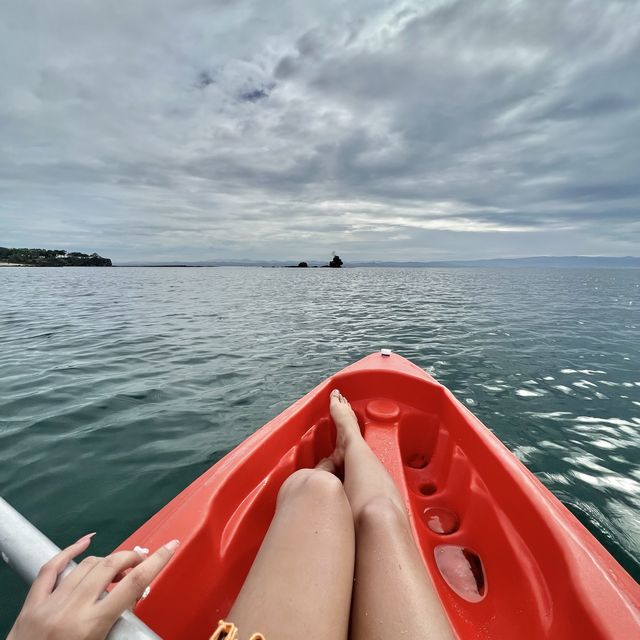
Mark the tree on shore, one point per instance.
(52, 258)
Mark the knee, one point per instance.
(314, 484)
(382, 513)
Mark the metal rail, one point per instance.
(25, 549)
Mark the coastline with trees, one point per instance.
(50, 258)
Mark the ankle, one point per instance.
(353, 439)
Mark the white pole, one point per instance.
(25, 549)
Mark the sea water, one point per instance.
(120, 386)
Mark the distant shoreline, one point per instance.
(25, 257)
(545, 262)
(558, 262)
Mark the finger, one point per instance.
(75, 577)
(121, 575)
(144, 553)
(104, 571)
(130, 589)
(45, 582)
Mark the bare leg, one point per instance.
(393, 594)
(301, 580)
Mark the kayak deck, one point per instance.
(507, 558)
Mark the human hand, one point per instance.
(73, 610)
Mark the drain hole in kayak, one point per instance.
(427, 488)
(441, 521)
(417, 461)
(462, 570)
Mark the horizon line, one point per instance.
(362, 261)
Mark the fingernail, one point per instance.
(88, 536)
(172, 546)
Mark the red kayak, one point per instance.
(507, 558)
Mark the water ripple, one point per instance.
(120, 386)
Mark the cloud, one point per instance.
(408, 130)
(256, 94)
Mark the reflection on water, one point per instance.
(120, 386)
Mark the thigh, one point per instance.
(301, 580)
(393, 594)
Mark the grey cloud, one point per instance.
(603, 105)
(417, 129)
(205, 78)
(286, 67)
(254, 95)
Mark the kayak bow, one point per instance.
(507, 558)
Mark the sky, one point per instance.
(230, 129)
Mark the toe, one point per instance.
(334, 394)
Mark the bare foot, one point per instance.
(346, 424)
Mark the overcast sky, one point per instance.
(202, 129)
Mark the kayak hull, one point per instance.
(507, 558)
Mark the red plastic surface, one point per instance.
(517, 564)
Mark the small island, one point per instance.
(50, 258)
(335, 263)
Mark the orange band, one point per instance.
(229, 631)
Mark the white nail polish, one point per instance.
(143, 551)
(172, 546)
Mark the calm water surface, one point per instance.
(120, 386)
